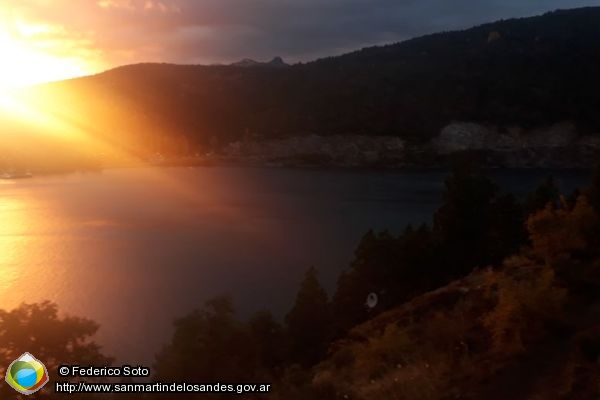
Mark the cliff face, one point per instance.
(556, 146)
(340, 150)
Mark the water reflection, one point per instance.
(15, 245)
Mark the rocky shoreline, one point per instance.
(556, 147)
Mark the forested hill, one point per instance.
(531, 72)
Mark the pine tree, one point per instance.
(309, 321)
(269, 339)
(209, 344)
(463, 221)
(546, 193)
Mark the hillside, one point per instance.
(529, 73)
(525, 330)
(446, 345)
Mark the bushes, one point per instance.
(568, 241)
(385, 366)
(563, 231)
(527, 299)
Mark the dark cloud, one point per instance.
(225, 30)
(207, 31)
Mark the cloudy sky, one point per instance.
(66, 38)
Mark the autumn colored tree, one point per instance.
(528, 298)
(568, 240)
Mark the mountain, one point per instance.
(278, 62)
(529, 72)
(247, 62)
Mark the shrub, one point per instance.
(528, 298)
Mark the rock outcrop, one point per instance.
(351, 150)
(557, 146)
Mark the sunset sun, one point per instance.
(26, 61)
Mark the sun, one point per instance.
(24, 63)
(31, 55)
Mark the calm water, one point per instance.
(135, 248)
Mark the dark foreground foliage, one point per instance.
(498, 299)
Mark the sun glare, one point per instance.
(23, 64)
(29, 57)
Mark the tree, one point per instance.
(476, 226)
(309, 321)
(375, 258)
(559, 233)
(208, 345)
(568, 240)
(268, 336)
(464, 221)
(546, 193)
(528, 300)
(593, 191)
(394, 268)
(53, 339)
(507, 232)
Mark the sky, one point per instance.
(43, 40)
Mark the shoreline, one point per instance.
(227, 162)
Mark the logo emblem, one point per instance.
(27, 374)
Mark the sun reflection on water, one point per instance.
(14, 244)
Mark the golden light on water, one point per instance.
(14, 244)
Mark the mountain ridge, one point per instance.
(248, 62)
(532, 72)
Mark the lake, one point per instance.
(135, 248)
